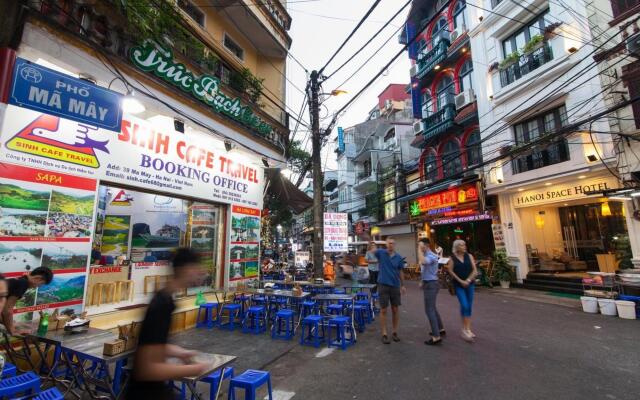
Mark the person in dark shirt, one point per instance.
(390, 287)
(17, 287)
(151, 370)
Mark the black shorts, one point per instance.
(389, 294)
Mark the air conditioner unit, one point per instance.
(418, 127)
(414, 70)
(464, 98)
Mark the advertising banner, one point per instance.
(46, 220)
(302, 258)
(43, 89)
(192, 163)
(245, 243)
(336, 232)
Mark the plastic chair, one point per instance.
(342, 326)
(250, 380)
(9, 370)
(255, 320)
(335, 309)
(368, 317)
(286, 332)
(359, 317)
(213, 380)
(309, 307)
(339, 291)
(233, 310)
(26, 384)
(311, 325)
(208, 321)
(49, 394)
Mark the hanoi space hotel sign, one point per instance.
(564, 192)
(460, 201)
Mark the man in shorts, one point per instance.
(390, 287)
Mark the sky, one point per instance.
(318, 28)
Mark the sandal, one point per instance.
(385, 339)
(432, 342)
(395, 337)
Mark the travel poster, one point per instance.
(245, 243)
(115, 235)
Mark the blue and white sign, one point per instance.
(340, 139)
(42, 89)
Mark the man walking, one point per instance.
(390, 287)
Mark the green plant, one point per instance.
(502, 270)
(509, 59)
(531, 44)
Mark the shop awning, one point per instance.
(283, 188)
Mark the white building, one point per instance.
(538, 77)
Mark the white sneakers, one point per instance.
(468, 335)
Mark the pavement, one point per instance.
(530, 345)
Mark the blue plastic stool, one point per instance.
(278, 331)
(234, 313)
(250, 380)
(342, 326)
(209, 320)
(339, 291)
(312, 325)
(368, 316)
(49, 394)
(213, 380)
(255, 320)
(27, 384)
(359, 317)
(9, 370)
(362, 296)
(309, 307)
(335, 309)
(242, 299)
(258, 300)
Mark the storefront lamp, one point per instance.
(131, 105)
(539, 222)
(605, 210)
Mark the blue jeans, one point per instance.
(465, 297)
(430, 289)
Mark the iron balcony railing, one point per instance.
(525, 64)
(440, 121)
(428, 60)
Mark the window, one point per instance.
(494, 3)
(233, 47)
(459, 20)
(390, 135)
(466, 76)
(531, 130)
(517, 40)
(430, 166)
(473, 149)
(427, 104)
(446, 92)
(225, 74)
(622, 6)
(192, 11)
(440, 29)
(451, 162)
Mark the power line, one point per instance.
(334, 18)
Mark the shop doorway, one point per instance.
(589, 230)
(477, 235)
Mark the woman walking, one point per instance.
(372, 263)
(429, 264)
(462, 267)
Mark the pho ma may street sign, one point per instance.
(151, 57)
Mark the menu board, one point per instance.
(46, 219)
(245, 243)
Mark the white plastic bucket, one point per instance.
(607, 306)
(589, 304)
(626, 309)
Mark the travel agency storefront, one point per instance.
(102, 196)
(566, 226)
(452, 213)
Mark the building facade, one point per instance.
(130, 129)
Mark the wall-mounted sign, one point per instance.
(193, 163)
(340, 139)
(151, 57)
(302, 258)
(459, 220)
(563, 192)
(336, 232)
(43, 89)
(361, 227)
(453, 202)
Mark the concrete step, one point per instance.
(556, 289)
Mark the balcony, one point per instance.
(525, 64)
(440, 121)
(428, 60)
(366, 181)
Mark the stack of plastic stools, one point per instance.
(343, 328)
(234, 311)
(49, 394)
(367, 310)
(335, 309)
(250, 380)
(209, 319)
(359, 317)
(9, 370)
(255, 320)
(213, 380)
(310, 332)
(25, 384)
(309, 307)
(283, 326)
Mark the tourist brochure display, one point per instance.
(245, 244)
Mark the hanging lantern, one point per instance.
(539, 221)
(605, 210)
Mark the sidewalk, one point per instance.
(537, 296)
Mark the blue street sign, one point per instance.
(42, 89)
(340, 139)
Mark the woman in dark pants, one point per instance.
(429, 283)
(372, 262)
(462, 267)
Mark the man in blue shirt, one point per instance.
(390, 287)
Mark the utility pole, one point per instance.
(316, 161)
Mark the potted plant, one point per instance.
(536, 42)
(509, 60)
(502, 270)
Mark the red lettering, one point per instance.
(124, 134)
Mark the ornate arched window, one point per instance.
(446, 91)
(451, 160)
(465, 76)
(473, 149)
(459, 18)
(440, 29)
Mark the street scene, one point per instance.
(319, 199)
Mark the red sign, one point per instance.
(245, 210)
(454, 202)
(28, 174)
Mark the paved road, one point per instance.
(525, 350)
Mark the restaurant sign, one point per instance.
(151, 57)
(448, 203)
(563, 192)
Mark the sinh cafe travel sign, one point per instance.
(151, 57)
